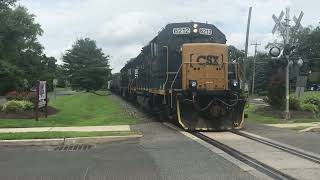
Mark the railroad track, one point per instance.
(281, 147)
(260, 165)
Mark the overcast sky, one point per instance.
(122, 27)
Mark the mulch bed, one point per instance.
(27, 114)
(268, 111)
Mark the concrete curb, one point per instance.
(64, 129)
(292, 125)
(311, 129)
(68, 141)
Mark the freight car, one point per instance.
(185, 74)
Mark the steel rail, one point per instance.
(263, 168)
(281, 147)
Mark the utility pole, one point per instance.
(244, 84)
(254, 66)
(248, 31)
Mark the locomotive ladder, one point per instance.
(173, 82)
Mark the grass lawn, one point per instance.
(80, 109)
(258, 118)
(255, 117)
(53, 135)
(310, 94)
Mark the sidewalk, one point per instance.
(65, 129)
(308, 126)
(2, 100)
(292, 125)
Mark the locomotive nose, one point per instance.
(205, 66)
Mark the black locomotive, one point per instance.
(184, 73)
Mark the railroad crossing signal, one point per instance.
(284, 28)
(297, 21)
(281, 26)
(278, 24)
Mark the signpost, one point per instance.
(41, 98)
(55, 82)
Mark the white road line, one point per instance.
(85, 174)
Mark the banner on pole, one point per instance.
(41, 97)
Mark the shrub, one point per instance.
(294, 102)
(310, 107)
(27, 105)
(12, 106)
(12, 95)
(315, 100)
(26, 96)
(17, 106)
(276, 96)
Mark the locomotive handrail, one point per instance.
(174, 80)
(200, 63)
(165, 83)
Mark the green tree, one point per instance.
(308, 48)
(61, 76)
(86, 65)
(48, 70)
(20, 51)
(263, 73)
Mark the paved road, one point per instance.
(257, 101)
(309, 141)
(60, 92)
(161, 154)
(121, 160)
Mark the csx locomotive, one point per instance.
(184, 73)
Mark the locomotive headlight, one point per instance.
(195, 25)
(235, 83)
(193, 84)
(195, 30)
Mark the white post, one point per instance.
(286, 42)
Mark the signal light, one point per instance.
(274, 52)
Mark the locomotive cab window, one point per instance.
(153, 48)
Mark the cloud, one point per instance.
(121, 28)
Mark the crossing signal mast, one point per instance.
(288, 47)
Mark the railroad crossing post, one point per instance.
(287, 49)
(287, 43)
